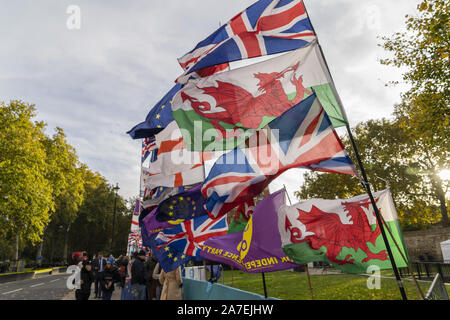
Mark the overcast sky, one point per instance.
(98, 81)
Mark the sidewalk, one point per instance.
(115, 295)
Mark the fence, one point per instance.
(426, 270)
(203, 290)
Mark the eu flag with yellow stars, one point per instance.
(169, 258)
(183, 206)
(158, 117)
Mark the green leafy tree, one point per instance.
(423, 50)
(388, 155)
(66, 176)
(25, 193)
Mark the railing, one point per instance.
(426, 270)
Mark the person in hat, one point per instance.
(139, 277)
(109, 277)
(86, 279)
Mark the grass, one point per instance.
(287, 285)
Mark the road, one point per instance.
(51, 287)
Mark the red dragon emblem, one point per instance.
(242, 107)
(330, 232)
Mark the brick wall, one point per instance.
(426, 243)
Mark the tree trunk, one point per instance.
(16, 249)
(66, 244)
(39, 253)
(39, 250)
(437, 184)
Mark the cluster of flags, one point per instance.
(253, 123)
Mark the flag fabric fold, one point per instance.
(158, 117)
(188, 237)
(183, 206)
(342, 232)
(302, 137)
(266, 27)
(158, 195)
(258, 248)
(148, 144)
(222, 110)
(171, 153)
(195, 174)
(135, 218)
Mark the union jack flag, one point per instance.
(301, 137)
(266, 27)
(148, 145)
(189, 236)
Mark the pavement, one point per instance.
(115, 295)
(44, 287)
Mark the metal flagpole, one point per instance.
(307, 268)
(264, 284)
(365, 181)
(377, 215)
(419, 290)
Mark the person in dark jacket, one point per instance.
(123, 270)
(139, 277)
(86, 279)
(98, 265)
(109, 277)
(152, 284)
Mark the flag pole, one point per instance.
(307, 268)
(264, 284)
(418, 289)
(309, 282)
(232, 277)
(363, 172)
(366, 185)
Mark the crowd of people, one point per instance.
(139, 277)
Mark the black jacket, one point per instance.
(96, 264)
(87, 277)
(109, 275)
(138, 272)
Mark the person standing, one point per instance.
(172, 285)
(155, 276)
(99, 265)
(139, 277)
(109, 277)
(150, 265)
(122, 264)
(126, 290)
(86, 279)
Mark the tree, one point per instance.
(388, 155)
(91, 230)
(65, 177)
(424, 112)
(25, 193)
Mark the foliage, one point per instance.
(53, 201)
(388, 155)
(25, 193)
(423, 50)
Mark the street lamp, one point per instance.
(116, 189)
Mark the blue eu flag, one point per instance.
(183, 206)
(168, 257)
(158, 118)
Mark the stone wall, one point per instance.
(425, 244)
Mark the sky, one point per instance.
(99, 76)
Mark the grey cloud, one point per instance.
(99, 81)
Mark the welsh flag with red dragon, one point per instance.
(342, 232)
(220, 111)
